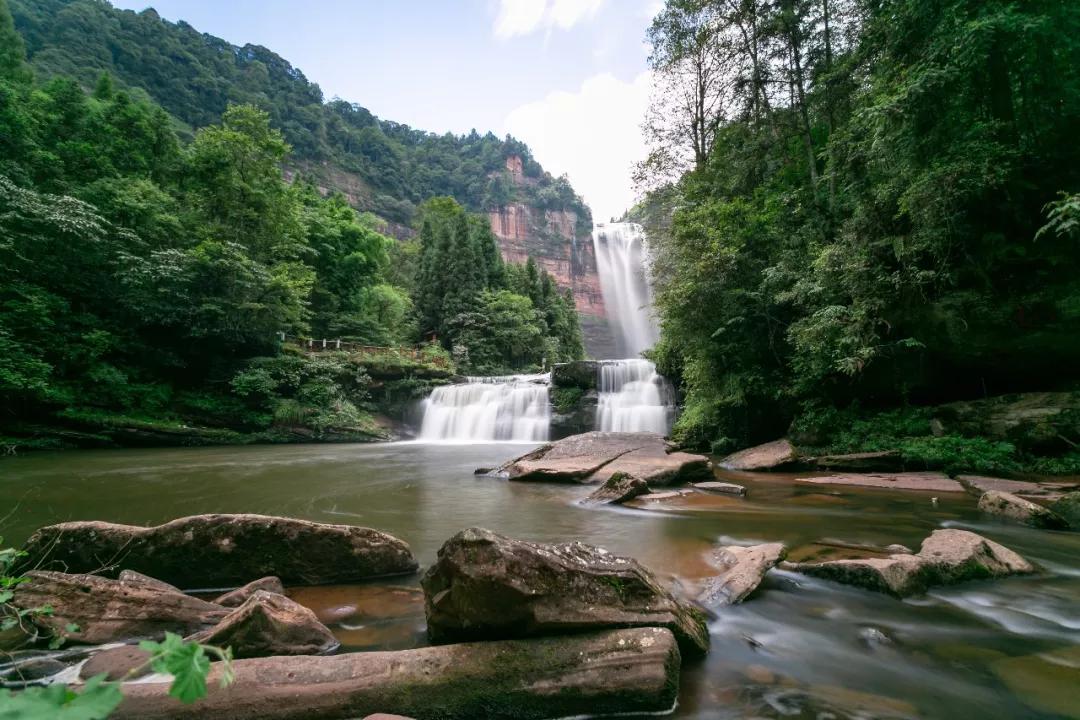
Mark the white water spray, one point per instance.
(633, 397)
(622, 264)
(511, 407)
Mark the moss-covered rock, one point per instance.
(1068, 508)
(1007, 505)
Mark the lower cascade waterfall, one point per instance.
(633, 397)
(511, 407)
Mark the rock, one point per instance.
(629, 671)
(724, 488)
(1046, 681)
(1042, 421)
(487, 586)
(898, 548)
(229, 550)
(873, 637)
(1068, 508)
(666, 495)
(109, 610)
(886, 460)
(270, 624)
(769, 456)
(237, 597)
(118, 663)
(594, 457)
(742, 570)
(35, 668)
(1046, 490)
(581, 374)
(947, 557)
(1024, 511)
(923, 481)
(618, 489)
(384, 716)
(130, 577)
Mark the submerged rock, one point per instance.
(595, 457)
(270, 624)
(1024, 511)
(107, 610)
(769, 456)
(487, 586)
(209, 550)
(946, 557)
(618, 489)
(237, 597)
(742, 570)
(628, 671)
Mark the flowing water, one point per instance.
(633, 397)
(512, 407)
(799, 648)
(621, 263)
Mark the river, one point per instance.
(799, 648)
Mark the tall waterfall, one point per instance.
(622, 265)
(633, 397)
(512, 407)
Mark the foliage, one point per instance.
(95, 701)
(565, 399)
(870, 223)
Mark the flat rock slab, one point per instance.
(741, 570)
(629, 671)
(922, 481)
(595, 457)
(659, 496)
(1007, 505)
(723, 488)
(885, 460)
(108, 610)
(769, 456)
(1045, 490)
(487, 586)
(946, 557)
(223, 550)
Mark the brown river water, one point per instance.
(798, 648)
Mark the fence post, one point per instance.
(339, 343)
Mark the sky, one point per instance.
(568, 77)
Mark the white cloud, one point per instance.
(593, 135)
(522, 17)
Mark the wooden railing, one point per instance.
(369, 351)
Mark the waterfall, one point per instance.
(484, 409)
(633, 397)
(622, 264)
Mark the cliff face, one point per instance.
(552, 239)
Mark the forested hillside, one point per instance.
(148, 280)
(868, 206)
(384, 167)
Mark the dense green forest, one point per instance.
(148, 280)
(388, 168)
(860, 206)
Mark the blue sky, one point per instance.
(566, 76)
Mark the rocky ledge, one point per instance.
(595, 457)
(222, 550)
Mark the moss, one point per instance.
(566, 399)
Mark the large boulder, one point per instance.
(1010, 506)
(946, 557)
(270, 624)
(1068, 507)
(770, 456)
(629, 672)
(618, 489)
(486, 586)
(594, 457)
(223, 550)
(741, 570)
(106, 610)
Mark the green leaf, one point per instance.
(186, 662)
(6, 595)
(96, 701)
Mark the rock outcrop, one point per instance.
(741, 570)
(629, 671)
(618, 489)
(594, 457)
(946, 557)
(270, 624)
(770, 456)
(487, 586)
(1048, 490)
(1015, 508)
(227, 550)
(1068, 507)
(105, 610)
(1043, 421)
